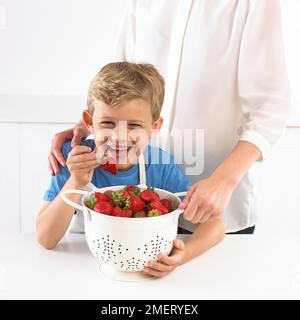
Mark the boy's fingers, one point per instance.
(169, 260)
(179, 244)
(154, 273)
(158, 266)
(84, 165)
(76, 138)
(84, 157)
(187, 198)
(79, 150)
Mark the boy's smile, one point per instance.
(122, 132)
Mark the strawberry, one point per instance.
(125, 214)
(109, 164)
(153, 213)
(102, 197)
(147, 195)
(140, 214)
(133, 189)
(116, 211)
(159, 206)
(167, 204)
(119, 197)
(108, 193)
(90, 203)
(104, 207)
(134, 203)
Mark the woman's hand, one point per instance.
(81, 163)
(165, 264)
(207, 199)
(76, 134)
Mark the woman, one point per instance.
(223, 62)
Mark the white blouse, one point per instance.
(223, 62)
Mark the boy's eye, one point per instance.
(106, 124)
(134, 125)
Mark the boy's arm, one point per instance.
(204, 237)
(54, 218)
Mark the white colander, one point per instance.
(123, 246)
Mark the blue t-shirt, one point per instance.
(161, 172)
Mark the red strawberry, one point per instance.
(116, 211)
(140, 214)
(148, 195)
(133, 189)
(101, 197)
(167, 204)
(125, 214)
(109, 164)
(108, 193)
(134, 203)
(120, 197)
(104, 207)
(154, 213)
(159, 206)
(91, 201)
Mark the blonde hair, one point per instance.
(120, 81)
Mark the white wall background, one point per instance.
(49, 51)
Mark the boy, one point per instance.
(123, 112)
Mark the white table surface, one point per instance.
(242, 266)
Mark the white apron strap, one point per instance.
(181, 20)
(142, 171)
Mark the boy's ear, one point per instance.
(156, 125)
(88, 120)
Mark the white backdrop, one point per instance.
(49, 51)
(55, 46)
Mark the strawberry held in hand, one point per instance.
(109, 164)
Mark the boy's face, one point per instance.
(122, 132)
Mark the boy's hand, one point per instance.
(165, 264)
(76, 134)
(81, 163)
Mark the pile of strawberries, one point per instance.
(129, 202)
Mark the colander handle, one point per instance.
(180, 194)
(71, 203)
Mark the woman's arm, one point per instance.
(75, 134)
(205, 236)
(208, 198)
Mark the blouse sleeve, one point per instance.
(262, 77)
(125, 41)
